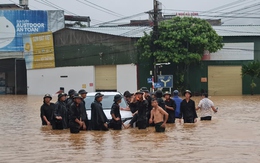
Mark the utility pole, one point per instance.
(155, 36)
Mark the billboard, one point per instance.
(39, 51)
(14, 24)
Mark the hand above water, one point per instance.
(59, 117)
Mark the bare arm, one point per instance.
(166, 115)
(214, 109)
(126, 109)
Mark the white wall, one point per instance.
(126, 78)
(234, 51)
(42, 81)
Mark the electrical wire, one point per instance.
(120, 15)
(123, 18)
(116, 15)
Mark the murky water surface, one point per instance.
(233, 136)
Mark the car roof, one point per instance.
(104, 93)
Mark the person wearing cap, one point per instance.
(46, 110)
(178, 101)
(116, 122)
(60, 114)
(188, 110)
(141, 105)
(170, 107)
(98, 117)
(206, 106)
(84, 116)
(75, 121)
(69, 101)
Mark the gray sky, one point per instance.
(124, 8)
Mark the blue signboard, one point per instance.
(157, 85)
(149, 80)
(14, 24)
(165, 80)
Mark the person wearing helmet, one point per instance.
(47, 109)
(98, 117)
(116, 122)
(60, 114)
(84, 116)
(188, 109)
(75, 121)
(170, 107)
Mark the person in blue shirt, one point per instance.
(178, 101)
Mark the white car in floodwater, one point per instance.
(107, 102)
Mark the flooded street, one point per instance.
(233, 136)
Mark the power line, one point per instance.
(98, 8)
(60, 7)
(127, 17)
(223, 6)
(209, 12)
(104, 8)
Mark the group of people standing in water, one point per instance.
(148, 109)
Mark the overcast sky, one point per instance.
(123, 8)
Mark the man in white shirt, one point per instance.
(206, 106)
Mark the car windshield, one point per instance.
(107, 102)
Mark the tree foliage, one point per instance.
(181, 41)
(252, 69)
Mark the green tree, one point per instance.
(181, 41)
(252, 69)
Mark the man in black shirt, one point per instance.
(47, 110)
(159, 95)
(60, 114)
(98, 117)
(188, 109)
(84, 116)
(170, 107)
(149, 102)
(75, 121)
(116, 122)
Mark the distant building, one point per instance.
(10, 7)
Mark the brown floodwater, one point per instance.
(233, 136)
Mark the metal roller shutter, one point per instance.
(105, 77)
(224, 80)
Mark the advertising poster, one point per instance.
(39, 51)
(14, 24)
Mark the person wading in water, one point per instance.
(188, 110)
